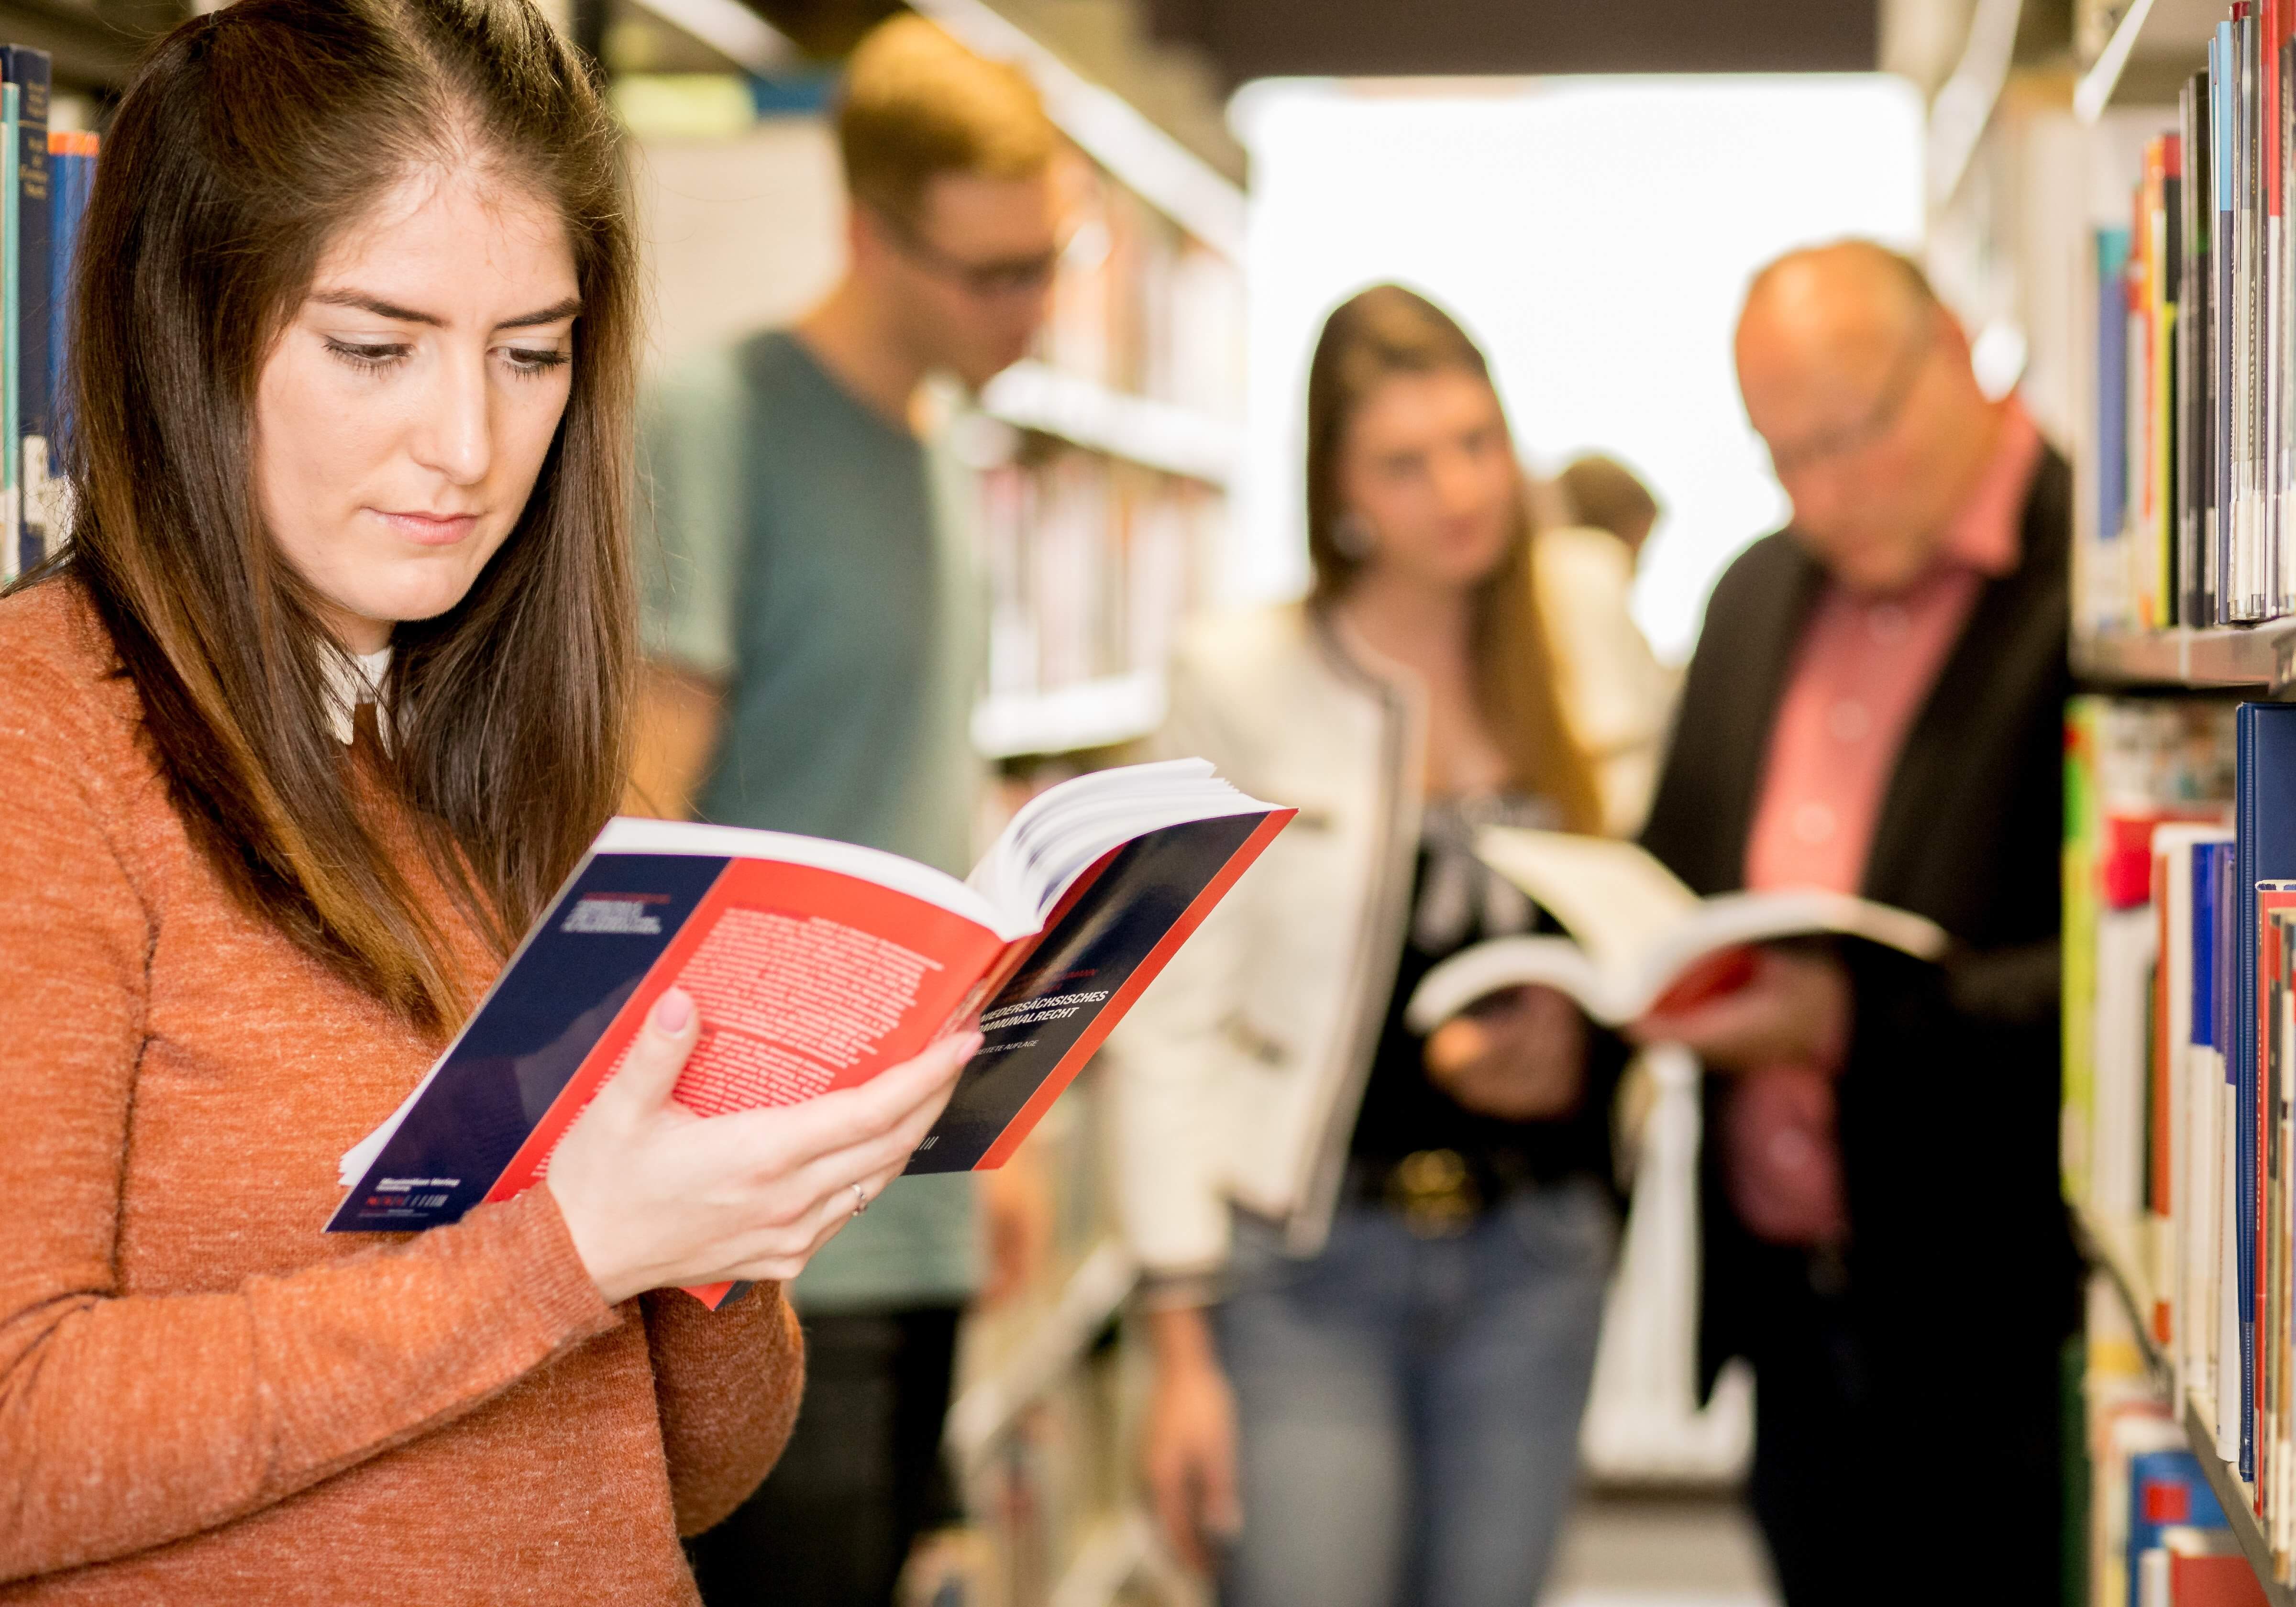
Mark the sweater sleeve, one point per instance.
(727, 1383)
(130, 1421)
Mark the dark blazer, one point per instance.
(1949, 1096)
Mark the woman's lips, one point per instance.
(430, 530)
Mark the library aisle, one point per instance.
(1697, 1549)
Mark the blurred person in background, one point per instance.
(1616, 694)
(1605, 495)
(1375, 1261)
(815, 621)
(1875, 706)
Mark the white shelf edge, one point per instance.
(2226, 657)
(1095, 1291)
(2093, 93)
(1031, 395)
(1068, 719)
(1108, 128)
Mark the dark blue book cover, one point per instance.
(2208, 1024)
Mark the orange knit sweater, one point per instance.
(203, 1398)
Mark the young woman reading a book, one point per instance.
(324, 698)
(1376, 1262)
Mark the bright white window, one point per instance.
(1596, 235)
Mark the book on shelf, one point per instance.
(31, 263)
(71, 162)
(814, 965)
(1640, 940)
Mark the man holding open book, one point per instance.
(1873, 709)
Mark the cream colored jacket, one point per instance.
(1238, 1074)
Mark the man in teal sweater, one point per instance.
(816, 630)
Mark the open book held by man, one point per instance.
(1641, 943)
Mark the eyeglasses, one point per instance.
(992, 280)
(1897, 389)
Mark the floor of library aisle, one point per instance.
(1624, 1550)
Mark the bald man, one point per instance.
(1875, 706)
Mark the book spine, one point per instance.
(2224, 95)
(2112, 407)
(28, 71)
(12, 337)
(2198, 390)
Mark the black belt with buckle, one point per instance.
(1439, 1193)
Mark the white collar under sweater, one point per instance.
(352, 679)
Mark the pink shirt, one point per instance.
(1866, 667)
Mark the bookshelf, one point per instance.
(2158, 1231)
(1031, 395)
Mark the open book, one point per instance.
(814, 965)
(1643, 940)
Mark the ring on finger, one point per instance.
(860, 1198)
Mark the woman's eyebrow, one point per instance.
(552, 314)
(380, 309)
(377, 305)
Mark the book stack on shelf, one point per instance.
(2180, 1074)
(2143, 776)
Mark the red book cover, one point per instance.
(814, 965)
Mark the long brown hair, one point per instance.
(248, 141)
(1370, 337)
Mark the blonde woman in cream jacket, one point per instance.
(1374, 1277)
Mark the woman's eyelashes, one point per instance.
(371, 357)
(536, 359)
(367, 356)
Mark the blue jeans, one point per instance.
(1408, 1409)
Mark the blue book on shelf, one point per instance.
(72, 172)
(2111, 469)
(2167, 1490)
(2264, 847)
(2209, 1019)
(28, 69)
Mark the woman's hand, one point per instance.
(1520, 1055)
(657, 1197)
(1188, 1452)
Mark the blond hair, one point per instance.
(917, 104)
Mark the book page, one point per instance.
(789, 1003)
(1618, 901)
